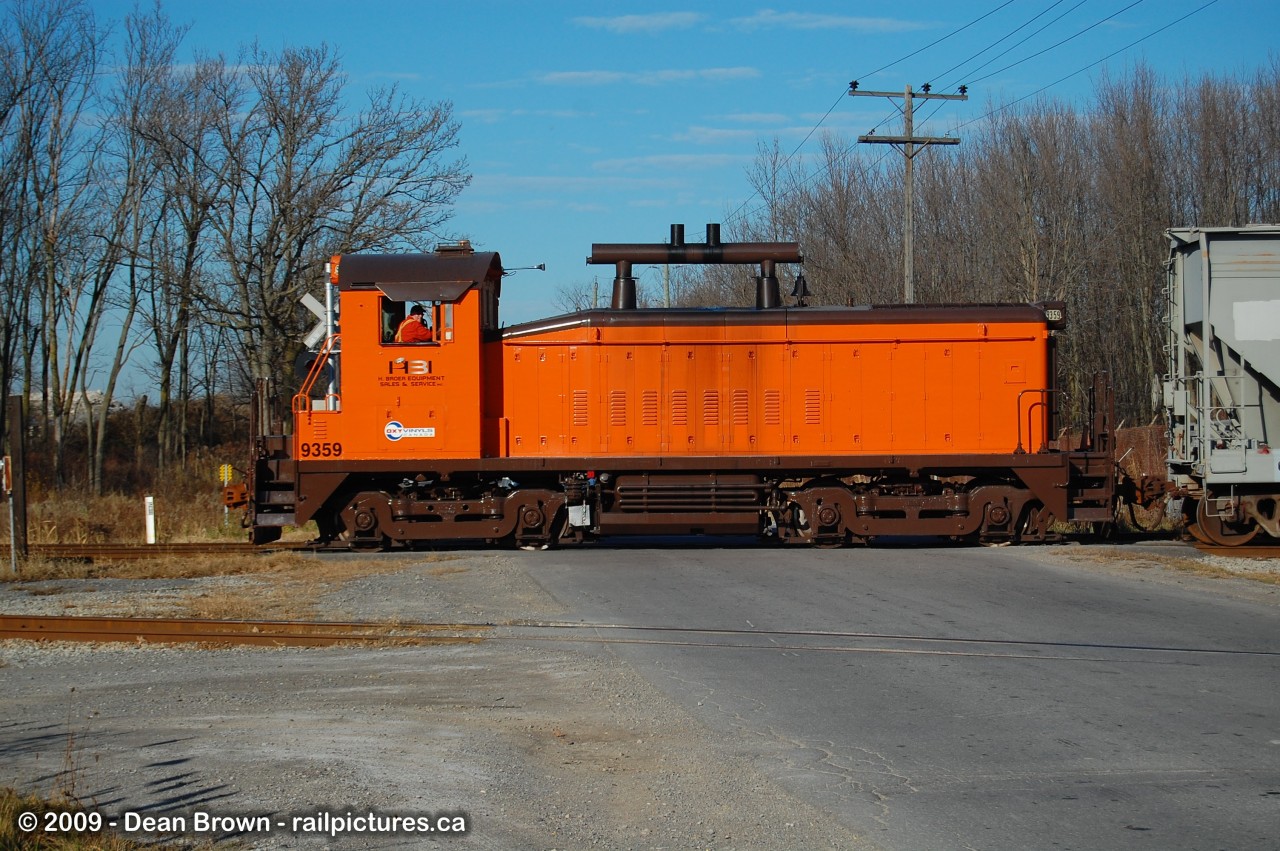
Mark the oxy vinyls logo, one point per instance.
(396, 430)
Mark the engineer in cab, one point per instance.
(414, 328)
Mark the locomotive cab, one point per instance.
(412, 379)
(405, 394)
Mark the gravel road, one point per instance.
(538, 745)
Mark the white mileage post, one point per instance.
(150, 503)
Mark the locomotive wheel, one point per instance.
(555, 531)
(359, 525)
(1214, 530)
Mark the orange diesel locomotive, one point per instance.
(807, 425)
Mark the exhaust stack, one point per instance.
(712, 252)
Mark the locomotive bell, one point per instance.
(801, 290)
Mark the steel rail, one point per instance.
(319, 633)
(129, 552)
(194, 630)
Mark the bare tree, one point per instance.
(150, 44)
(1133, 206)
(182, 132)
(71, 246)
(306, 179)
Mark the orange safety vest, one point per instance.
(412, 330)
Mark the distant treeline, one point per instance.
(1043, 201)
(168, 214)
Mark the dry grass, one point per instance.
(188, 508)
(17, 808)
(13, 803)
(266, 586)
(291, 590)
(11, 837)
(77, 519)
(42, 569)
(1264, 571)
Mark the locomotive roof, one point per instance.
(911, 314)
(420, 277)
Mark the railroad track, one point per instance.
(194, 630)
(319, 634)
(129, 552)
(1245, 551)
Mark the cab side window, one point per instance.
(392, 314)
(410, 323)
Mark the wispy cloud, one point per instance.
(657, 22)
(647, 78)
(755, 118)
(716, 135)
(770, 19)
(493, 116)
(546, 185)
(670, 162)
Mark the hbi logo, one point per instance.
(409, 367)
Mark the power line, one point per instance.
(848, 151)
(976, 20)
(1015, 46)
(838, 100)
(1058, 44)
(1152, 34)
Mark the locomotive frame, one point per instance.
(624, 421)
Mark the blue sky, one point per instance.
(607, 122)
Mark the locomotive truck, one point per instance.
(802, 425)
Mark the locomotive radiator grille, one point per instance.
(711, 407)
(649, 408)
(692, 494)
(741, 409)
(773, 407)
(679, 407)
(617, 407)
(812, 407)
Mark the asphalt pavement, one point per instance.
(934, 698)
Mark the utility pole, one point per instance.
(906, 143)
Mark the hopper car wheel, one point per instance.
(1211, 529)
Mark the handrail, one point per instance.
(1040, 403)
(302, 399)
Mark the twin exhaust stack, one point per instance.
(713, 252)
